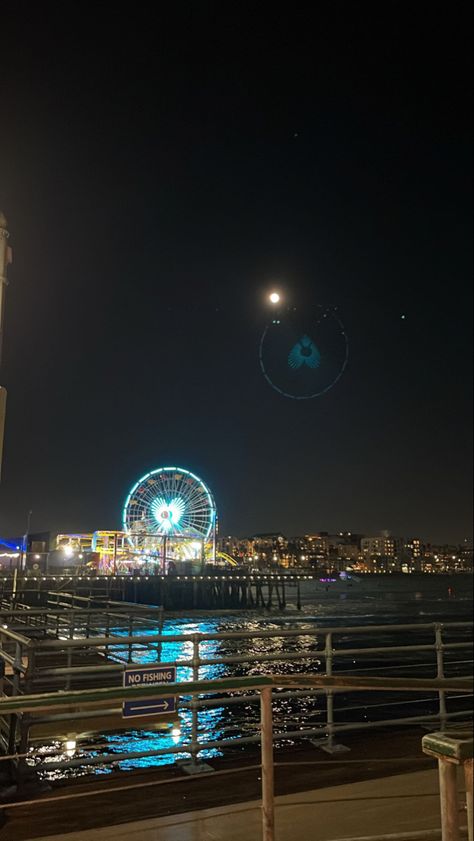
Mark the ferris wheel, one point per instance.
(169, 502)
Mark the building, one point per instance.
(383, 545)
(383, 552)
(269, 549)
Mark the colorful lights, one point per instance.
(169, 502)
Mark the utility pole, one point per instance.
(5, 260)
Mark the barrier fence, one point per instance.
(93, 699)
(80, 633)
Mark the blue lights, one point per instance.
(169, 502)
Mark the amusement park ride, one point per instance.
(169, 519)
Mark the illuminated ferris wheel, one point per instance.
(169, 502)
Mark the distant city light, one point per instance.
(274, 297)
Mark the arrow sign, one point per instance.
(149, 676)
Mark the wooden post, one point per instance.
(250, 600)
(468, 781)
(448, 792)
(268, 805)
(270, 594)
(277, 591)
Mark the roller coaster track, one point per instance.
(227, 558)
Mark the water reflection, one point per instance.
(242, 718)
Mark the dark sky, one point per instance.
(155, 192)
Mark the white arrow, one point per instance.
(162, 705)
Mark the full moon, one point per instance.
(274, 297)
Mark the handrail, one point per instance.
(264, 684)
(319, 631)
(91, 698)
(316, 643)
(15, 637)
(77, 611)
(117, 604)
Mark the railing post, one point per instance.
(159, 647)
(69, 651)
(194, 707)
(448, 792)
(15, 690)
(440, 673)
(468, 781)
(130, 633)
(329, 695)
(17, 668)
(268, 804)
(107, 632)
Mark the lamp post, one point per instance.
(25, 539)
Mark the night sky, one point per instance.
(160, 175)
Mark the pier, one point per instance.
(172, 592)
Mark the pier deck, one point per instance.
(383, 759)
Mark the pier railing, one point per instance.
(54, 703)
(31, 663)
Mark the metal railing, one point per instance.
(28, 662)
(23, 631)
(263, 685)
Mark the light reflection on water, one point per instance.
(290, 713)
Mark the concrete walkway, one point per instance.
(404, 803)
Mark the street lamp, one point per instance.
(25, 538)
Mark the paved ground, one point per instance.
(119, 799)
(403, 803)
